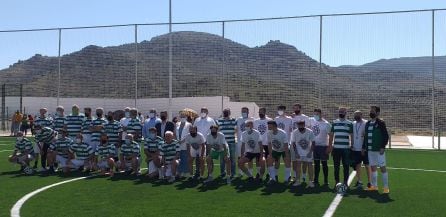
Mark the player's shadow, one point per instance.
(124, 176)
(188, 184)
(214, 185)
(245, 185)
(375, 195)
(14, 173)
(275, 188)
(304, 189)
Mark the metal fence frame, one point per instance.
(223, 22)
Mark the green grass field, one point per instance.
(413, 193)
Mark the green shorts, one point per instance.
(215, 155)
(276, 155)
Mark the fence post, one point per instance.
(58, 67)
(439, 138)
(433, 79)
(136, 65)
(21, 98)
(320, 63)
(3, 107)
(223, 65)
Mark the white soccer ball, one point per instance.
(341, 188)
(28, 171)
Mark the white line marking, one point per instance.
(337, 200)
(6, 150)
(15, 210)
(411, 169)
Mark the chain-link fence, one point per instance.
(393, 59)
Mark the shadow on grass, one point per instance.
(214, 185)
(188, 184)
(303, 189)
(275, 188)
(243, 185)
(375, 195)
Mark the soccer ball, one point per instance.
(28, 171)
(341, 188)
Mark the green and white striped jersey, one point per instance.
(341, 130)
(44, 122)
(62, 146)
(96, 136)
(46, 135)
(24, 146)
(59, 123)
(128, 150)
(82, 151)
(134, 127)
(153, 145)
(112, 129)
(105, 151)
(74, 124)
(169, 151)
(86, 126)
(227, 127)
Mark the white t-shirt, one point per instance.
(300, 117)
(262, 126)
(278, 140)
(204, 125)
(303, 141)
(358, 134)
(251, 141)
(195, 142)
(124, 122)
(285, 123)
(216, 144)
(320, 129)
(184, 133)
(241, 128)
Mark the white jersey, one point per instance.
(285, 123)
(241, 128)
(216, 144)
(303, 141)
(124, 122)
(300, 117)
(358, 134)
(320, 129)
(261, 125)
(278, 140)
(204, 125)
(195, 142)
(251, 141)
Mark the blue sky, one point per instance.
(346, 40)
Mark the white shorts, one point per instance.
(103, 164)
(62, 161)
(151, 167)
(168, 169)
(195, 152)
(306, 159)
(128, 163)
(36, 148)
(75, 163)
(293, 154)
(376, 159)
(238, 149)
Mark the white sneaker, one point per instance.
(296, 184)
(311, 185)
(228, 180)
(41, 169)
(171, 179)
(209, 179)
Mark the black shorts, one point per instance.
(251, 156)
(266, 150)
(320, 153)
(357, 158)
